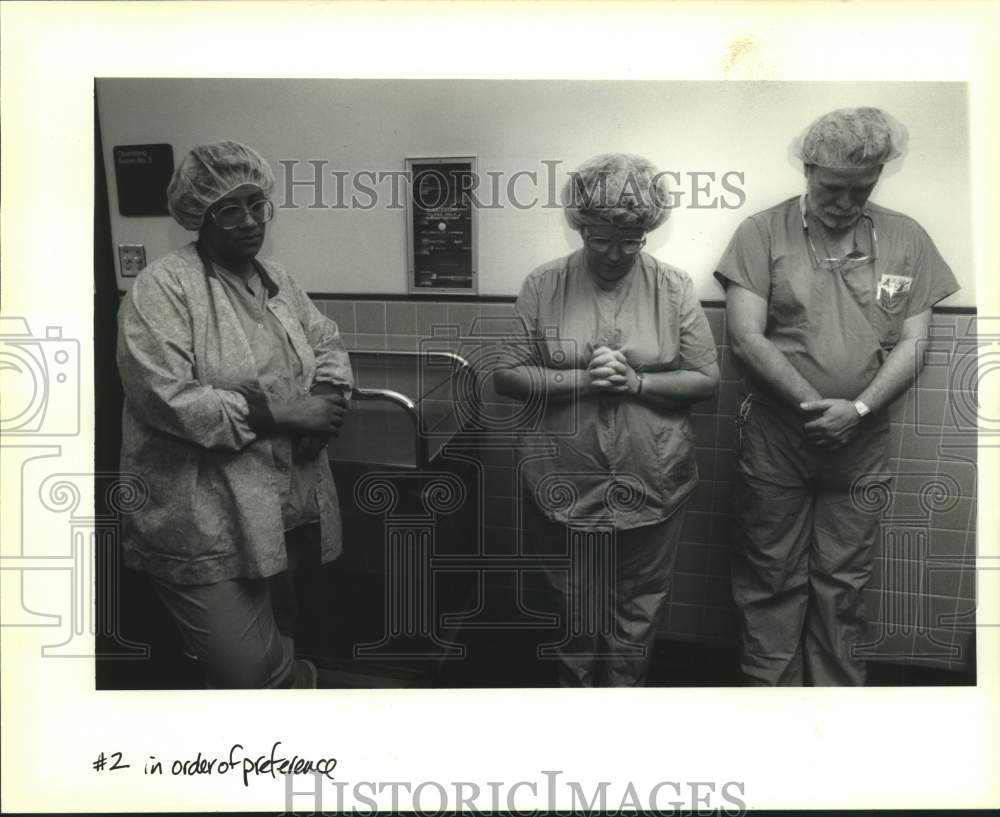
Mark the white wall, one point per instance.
(681, 126)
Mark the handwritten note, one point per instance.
(238, 760)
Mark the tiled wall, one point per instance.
(922, 596)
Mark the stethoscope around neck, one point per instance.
(853, 259)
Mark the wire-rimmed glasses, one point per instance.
(231, 216)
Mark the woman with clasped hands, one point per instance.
(233, 382)
(617, 349)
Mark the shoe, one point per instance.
(306, 674)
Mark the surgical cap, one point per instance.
(210, 172)
(852, 138)
(618, 189)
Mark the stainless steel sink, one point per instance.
(406, 406)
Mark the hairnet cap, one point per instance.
(618, 189)
(852, 138)
(208, 173)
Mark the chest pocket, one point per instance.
(892, 297)
(893, 292)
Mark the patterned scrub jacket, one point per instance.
(197, 428)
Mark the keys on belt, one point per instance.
(742, 417)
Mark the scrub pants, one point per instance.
(803, 550)
(241, 630)
(609, 608)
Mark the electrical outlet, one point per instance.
(131, 259)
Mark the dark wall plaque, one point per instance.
(441, 225)
(142, 173)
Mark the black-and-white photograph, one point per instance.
(498, 407)
(707, 421)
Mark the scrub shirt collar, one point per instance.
(209, 268)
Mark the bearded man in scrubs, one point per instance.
(828, 297)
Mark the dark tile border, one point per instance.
(509, 299)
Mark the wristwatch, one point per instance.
(862, 408)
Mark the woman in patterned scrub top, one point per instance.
(233, 382)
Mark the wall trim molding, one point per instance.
(509, 299)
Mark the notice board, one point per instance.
(142, 174)
(441, 225)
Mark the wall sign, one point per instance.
(142, 173)
(441, 229)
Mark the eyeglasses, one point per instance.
(231, 216)
(602, 244)
(853, 259)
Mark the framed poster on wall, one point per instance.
(441, 228)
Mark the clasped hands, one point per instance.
(312, 420)
(610, 372)
(835, 422)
